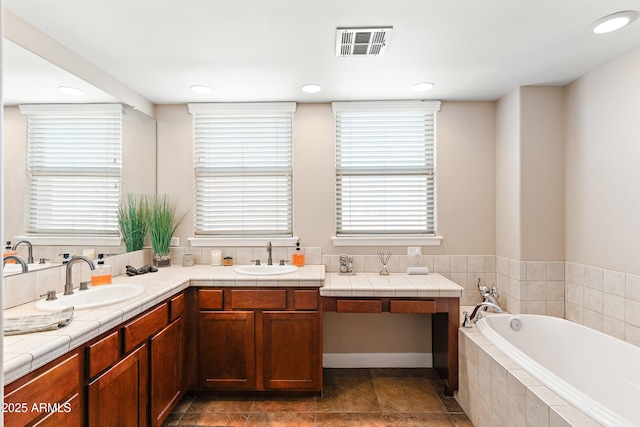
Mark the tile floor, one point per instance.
(352, 397)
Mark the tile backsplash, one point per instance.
(605, 300)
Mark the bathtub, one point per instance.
(596, 373)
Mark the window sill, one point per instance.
(242, 241)
(89, 241)
(387, 240)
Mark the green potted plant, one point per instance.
(133, 221)
(162, 222)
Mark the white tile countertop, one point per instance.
(394, 285)
(25, 353)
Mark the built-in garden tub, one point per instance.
(541, 371)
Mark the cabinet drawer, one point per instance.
(259, 299)
(359, 306)
(68, 415)
(408, 306)
(176, 307)
(141, 329)
(103, 354)
(306, 299)
(210, 299)
(54, 385)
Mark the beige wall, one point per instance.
(508, 176)
(465, 177)
(602, 200)
(542, 173)
(138, 162)
(529, 174)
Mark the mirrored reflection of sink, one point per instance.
(95, 296)
(265, 270)
(17, 268)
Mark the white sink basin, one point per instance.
(265, 270)
(95, 296)
(17, 268)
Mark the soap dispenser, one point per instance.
(8, 251)
(102, 274)
(297, 258)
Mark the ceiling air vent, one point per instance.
(362, 41)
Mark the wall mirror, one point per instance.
(30, 79)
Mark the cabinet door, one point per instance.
(167, 352)
(118, 398)
(226, 349)
(292, 350)
(47, 393)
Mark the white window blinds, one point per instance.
(74, 168)
(385, 168)
(243, 169)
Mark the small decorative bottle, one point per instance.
(297, 258)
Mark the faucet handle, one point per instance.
(51, 295)
(283, 261)
(466, 323)
(84, 286)
(257, 261)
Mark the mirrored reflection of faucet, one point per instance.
(68, 286)
(29, 246)
(19, 260)
(269, 260)
(482, 306)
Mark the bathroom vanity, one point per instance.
(206, 329)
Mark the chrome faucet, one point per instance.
(482, 306)
(269, 260)
(28, 243)
(18, 259)
(68, 286)
(488, 295)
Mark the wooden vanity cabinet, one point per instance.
(136, 372)
(260, 339)
(167, 358)
(118, 397)
(50, 396)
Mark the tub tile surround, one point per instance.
(532, 287)
(495, 392)
(605, 300)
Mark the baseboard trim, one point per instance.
(377, 360)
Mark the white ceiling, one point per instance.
(265, 50)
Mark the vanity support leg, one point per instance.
(445, 342)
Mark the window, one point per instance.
(385, 168)
(74, 169)
(243, 169)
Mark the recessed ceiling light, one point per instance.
(201, 89)
(613, 22)
(71, 90)
(311, 88)
(422, 87)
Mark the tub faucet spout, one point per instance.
(475, 315)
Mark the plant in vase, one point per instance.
(163, 220)
(133, 221)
